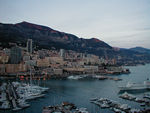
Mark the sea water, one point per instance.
(80, 92)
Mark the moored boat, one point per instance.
(127, 96)
(135, 86)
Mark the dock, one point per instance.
(14, 95)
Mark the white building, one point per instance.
(29, 46)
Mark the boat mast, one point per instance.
(30, 76)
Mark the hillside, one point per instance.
(141, 50)
(45, 37)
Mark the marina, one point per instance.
(75, 56)
(14, 96)
(65, 107)
(145, 100)
(105, 103)
(79, 92)
(112, 105)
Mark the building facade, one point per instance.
(15, 55)
(29, 46)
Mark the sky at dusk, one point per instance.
(120, 23)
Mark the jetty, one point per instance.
(99, 77)
(144, 101)
(14, 95)
(105, 103)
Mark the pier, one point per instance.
(14, 95)
(115, 106)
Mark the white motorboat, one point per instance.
(75, 77)
(3, 97)
(146, 96)
(22, 103)
(124, 107)
(16, 108)
(134, 86)
(135, 110)
(117, 110)
(93, 99)
(139, 100)
(5, 105)
(104, 105)
(127, 96)
(82, 110)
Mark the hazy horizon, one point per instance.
(123, 24)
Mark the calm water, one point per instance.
(80, 91)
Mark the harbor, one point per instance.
(80, 91)
(74, 56)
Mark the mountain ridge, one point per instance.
(141, 49)
(47, 38)
(47, 35)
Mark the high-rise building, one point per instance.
(62, 52)
(15, 55)
(29, 46)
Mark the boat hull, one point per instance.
(133, 89)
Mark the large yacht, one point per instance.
(135, 86)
